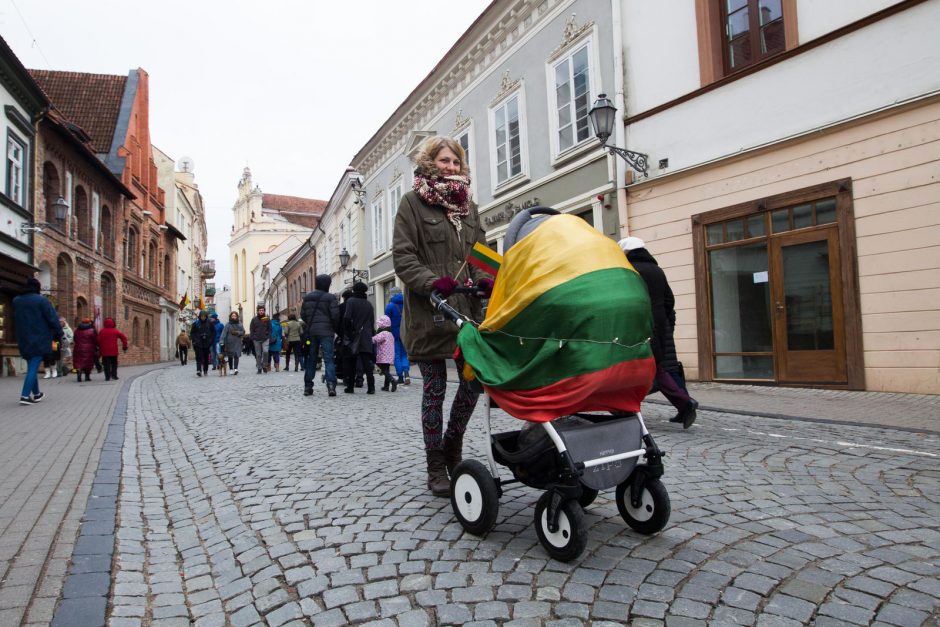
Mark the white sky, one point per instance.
(291, 88)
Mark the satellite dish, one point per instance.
(186, 164)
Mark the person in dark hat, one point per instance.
(320, 312)
(358, 328)
(663, 303)
(37, 326)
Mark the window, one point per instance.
(752, 29)
(108, 299)
(82, 216)
(152, 261)
(572, 76)
(378, 226)
(147, 333)
(507, 139)
(347, 243)
(394, 199)
(51, 188)
(135, 332)
(16, 172)
(464, 140)
(107, 232)
(131, 252)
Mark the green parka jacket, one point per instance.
(425, 247)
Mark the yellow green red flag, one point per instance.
(567, 328)
(485, 258)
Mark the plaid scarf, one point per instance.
(450, 192)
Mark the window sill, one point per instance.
(575, 151)
(516, 181)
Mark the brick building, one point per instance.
(113, 113)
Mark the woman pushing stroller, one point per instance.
(436, 226)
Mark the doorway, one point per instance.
(778, 301)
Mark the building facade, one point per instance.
(261, 222)
(113, 111)
(23, 103)
(515, 91)
(793, 195)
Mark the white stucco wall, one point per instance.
(818, 17)
(887, 62)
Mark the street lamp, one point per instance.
(603, 117)
(344, 261)
(61, 209)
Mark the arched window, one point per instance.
(152, 261)
(63, 286)
(51, 189)
(244, 292)
(167, 272)
(147, 333)
(235, 296)
(133, 243)
(82, 216)
(135, 332)
(81, 309)
(108, 296)
(107, 232)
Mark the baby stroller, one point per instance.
(566, 333)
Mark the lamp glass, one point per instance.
(603, 116)
(344, 258)
(61, 208)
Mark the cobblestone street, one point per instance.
(242, 502)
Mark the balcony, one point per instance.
(210, 291)
(208, 268)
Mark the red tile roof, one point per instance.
(91, 101)
(303, 211)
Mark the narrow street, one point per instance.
(242, 502)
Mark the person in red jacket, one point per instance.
(108, 346)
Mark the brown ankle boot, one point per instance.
(453, 452)
(438, 483)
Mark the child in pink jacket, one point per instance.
(385, 350)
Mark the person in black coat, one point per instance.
(358, 328)
(202, 335)
(663, 344)
(320, 312)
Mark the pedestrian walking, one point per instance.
(394, 310)
(231, 341)
(385, 351)
(320, 313)
(202, 335)
(358, 326)
(293, 338)
(108, 347)
(276, 344)
(37, 326)
(65, 348)
(260, 332)
(663, 344)
(85, 349)
(218, 326)
(436, 226)
(182, 346)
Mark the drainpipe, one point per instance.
(621, 103)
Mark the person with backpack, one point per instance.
(276, 344)
(320, 312)
(293, 337)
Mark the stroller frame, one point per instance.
(476, 489)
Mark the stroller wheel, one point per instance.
(587, 496)
(653, 511)
(568, 542)
(474, 497)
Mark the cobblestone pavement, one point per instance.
(244, 503)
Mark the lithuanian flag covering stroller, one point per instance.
(567, 327)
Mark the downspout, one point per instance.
(621, 102)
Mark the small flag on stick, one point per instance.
(485, 258)
(184, 301)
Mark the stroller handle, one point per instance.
(440, 304)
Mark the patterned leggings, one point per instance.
(434, 374)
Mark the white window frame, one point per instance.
(15, 184)
(523, 175)
(588, 40)
(378, 228)
(347, 244)
(467, 131)
(394, 199)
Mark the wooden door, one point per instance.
(809, 328)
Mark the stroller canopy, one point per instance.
(567, 328)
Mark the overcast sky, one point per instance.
(290, 88)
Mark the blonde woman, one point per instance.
(436, 226)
